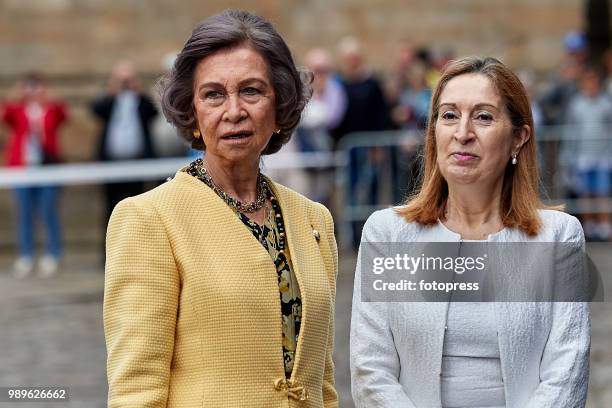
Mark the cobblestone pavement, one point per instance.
(51, 333)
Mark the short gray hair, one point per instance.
(229, 29)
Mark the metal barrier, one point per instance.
(382, 169)
(373, 170)
(142, 170)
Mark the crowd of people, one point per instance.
(571, 107)
(348, 97)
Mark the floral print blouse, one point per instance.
(290, 300)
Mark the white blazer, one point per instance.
(396, 348)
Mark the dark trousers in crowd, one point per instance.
(38, 202)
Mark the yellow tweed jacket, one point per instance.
(192, 308)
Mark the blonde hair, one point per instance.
(520, 201)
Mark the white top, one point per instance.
(588, 124)
(33, 153)
(125, 134)
(471, 368)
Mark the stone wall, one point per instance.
(76, 42)
(86, 36)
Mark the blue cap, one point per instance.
(575, 41)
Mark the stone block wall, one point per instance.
(76, 42)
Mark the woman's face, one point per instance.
(34, 91)
(234, 103)
(474, 136)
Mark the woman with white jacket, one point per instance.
(480, 184)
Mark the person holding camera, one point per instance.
(126, 114)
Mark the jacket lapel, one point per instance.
(309, 270)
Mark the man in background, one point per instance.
(126, 114)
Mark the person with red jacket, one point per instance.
(33, 120)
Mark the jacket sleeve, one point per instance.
(375, 364)
(61, 113)
(141, 295)
(149, 110)
(564, 368)
(330, 395)
(6, 113)
(102, 107)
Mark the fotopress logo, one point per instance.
(423, 285)
(412, 265)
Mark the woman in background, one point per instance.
(34, 120)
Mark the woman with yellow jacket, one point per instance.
(220, 283)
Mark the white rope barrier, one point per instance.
(144, 170)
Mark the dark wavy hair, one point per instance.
(233, 28)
